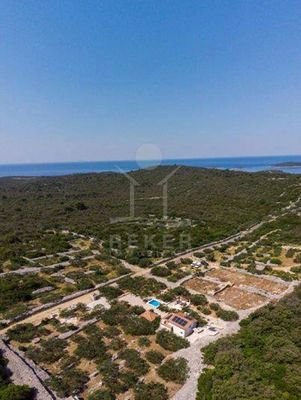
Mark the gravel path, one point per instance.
(23, 374)
(195, 360)
(194, 355)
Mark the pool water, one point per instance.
(155, 303)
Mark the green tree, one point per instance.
(155, 391)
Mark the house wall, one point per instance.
(178, 331)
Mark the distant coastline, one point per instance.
(288, 164)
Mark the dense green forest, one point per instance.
(261, 362)
(218, 203)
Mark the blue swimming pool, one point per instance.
(154, 303)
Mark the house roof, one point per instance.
(149, 315)
(181, 320)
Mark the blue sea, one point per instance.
(247, 164)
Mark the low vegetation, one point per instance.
(175, 370)
(262, 361)
(170, 341)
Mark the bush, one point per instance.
(186, 261)
(171, 264)
(151, 391)
(275, 261)
(198, 300)
(200, 320)
(70, 382)
(141, 286)
(51, 350)
(144, 342)
(133, 325)
(160, 271)
(286, 276)
(14, 392)
(117, 344)
(296, 269)
(154, 357)
(214, 306)
(22, 333)
(110, 292)
(290, 253)
(111, 332)
(110, 376)
(206, 310)
(227, 315)
(199, 254)
(297, 259)
(90, 347)
(170, 341)
(134, 361)
(175, 370)
(102, 395)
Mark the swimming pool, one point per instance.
(154, 303)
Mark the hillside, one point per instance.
(218, 202)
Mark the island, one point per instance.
(288, 164)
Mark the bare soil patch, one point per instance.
(201, 285)
(240, 299)
(237, 278)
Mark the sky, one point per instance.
(84, 80)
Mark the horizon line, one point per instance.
(146, 160)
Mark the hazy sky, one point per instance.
(94, 80)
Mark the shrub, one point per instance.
(275, 261)
(90, 348)
(201, 321)
(154, 357)
(199, 254)
(296, 269)
(170, 341)
(51, 350)
(134, 361)
(160, 271)
(14, 392)
(286, 276)
(227, 315)
(198, 300)
(151, 390)
(297, 259)
(102, 395)
(70, 382)
(171, 264)
(144, 342)
(22, 333)
(117, 344)
(111, 331)
(110, 292)
(110, 376)
(175, 370)
(290, 253)
(206, 310)
(186, 261)
(141, 286)
(214, 306)
(168, 296)
(136, 326)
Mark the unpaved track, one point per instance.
(22, 374)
